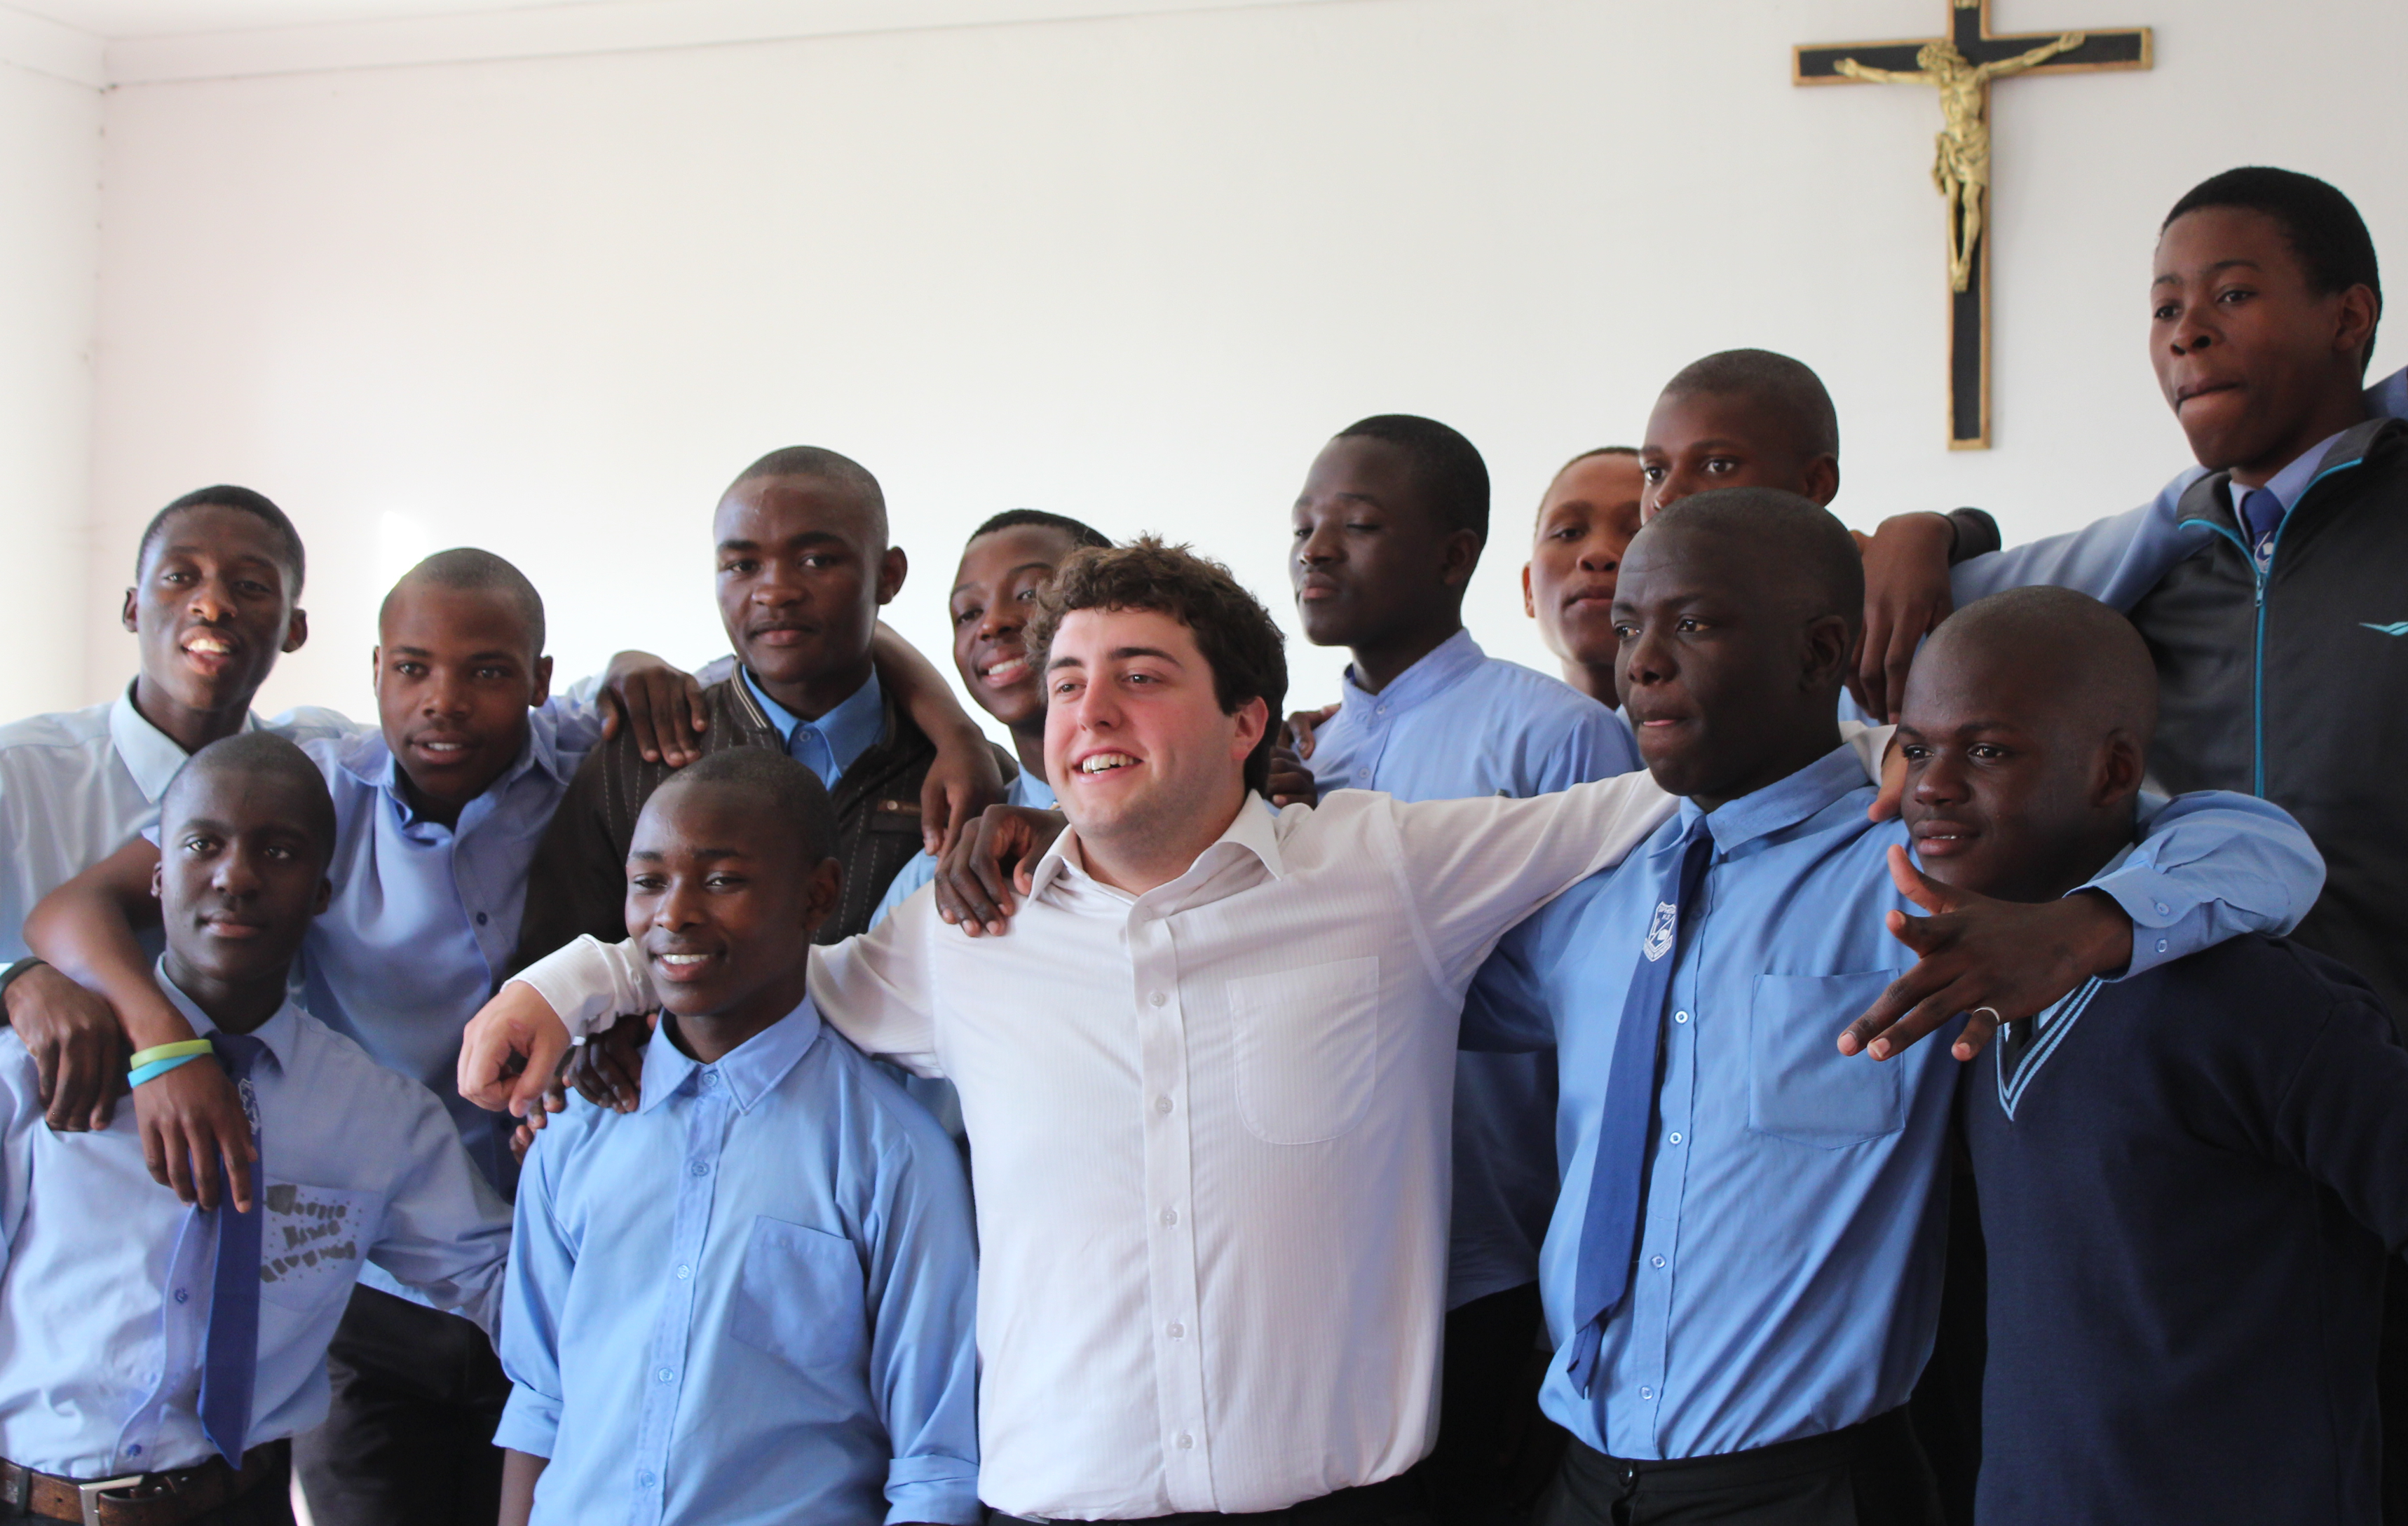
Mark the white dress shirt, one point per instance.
(1210, 1130)
(105, 1276)
(76, 785)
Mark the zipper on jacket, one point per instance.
(2258, 576)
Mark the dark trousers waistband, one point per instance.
(1883, 1434)
(1391, 1502)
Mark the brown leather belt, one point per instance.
(138, 1499)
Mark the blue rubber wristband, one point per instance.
(157, 1069)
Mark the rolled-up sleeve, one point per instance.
(2212, 865)
(536, 1286)
(921, 1286)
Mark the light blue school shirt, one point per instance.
(1788, 1281)
(425, 917)
(752, 1299)
(105, 1290)
(2118, 558)
(827, 746)
(1460, 724)
(1026, 789)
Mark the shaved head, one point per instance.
(2089, 661)
(779, 795)
(1780, 390)
(257, 757)
(843, 472)
(465, 569)
(1804, 553)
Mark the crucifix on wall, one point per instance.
(1961, 66)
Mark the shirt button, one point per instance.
(665, 1375)
(1647, 1393)
(2161, 945)
(1656, 1262)
(699, 1169)
(1170, 1216)
(1162, 1105)
(1675, 1136)
(1680, 1016)
(1177, 1329)
(684, 1271)
(711, 1077)
(183, 1295)
(1157, 998)
(482, 918)
(644, 1480)
(1185, 1441)
(134, 1450)
(2164, 910)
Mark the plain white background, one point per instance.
(1134, 269)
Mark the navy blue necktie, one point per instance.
(1617, 1182)
(2261, 512)
(230, 1349)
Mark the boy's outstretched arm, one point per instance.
(966, 779)
(193, 1123)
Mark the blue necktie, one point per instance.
(230, 1349)
(2262, 513)
(1617, 1182)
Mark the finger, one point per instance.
(986, 866)
(154, 1159)
(46, 1075)
(973, 911)
(1920, 888)
(204, 1165)
(698, 710)
(588, 1078)
(1896, 999)
(1903, 639)
(238, 1154)
(1023, 879)
(545, 1047)
(1890, 799)
(637, 704)
(936, 814)
(1922, 1018)
(1866, 678)
(104, 1112)
(1981, 1025)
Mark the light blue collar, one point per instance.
(277, 1032)
(849, 728)
(749, 1071)
(1813, 789)
(2292, 480)
(1445, 665)
(369, 759)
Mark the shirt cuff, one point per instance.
(1977, 534)
(582, 982)
(943, 1490)
(2168, 921)
(530, 1422)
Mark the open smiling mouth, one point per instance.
(1105, 763)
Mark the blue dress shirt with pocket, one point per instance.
(1788, 1277)
(751, 1300)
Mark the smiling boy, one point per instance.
(2190, 1180)
(811, 1356)
(156, 1357)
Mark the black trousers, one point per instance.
(1391, 1502)
(268, 1504)
(1494, 1451)
(1869, 1475)
(2391, 1386)
(1946, 1406)
(408, 1440)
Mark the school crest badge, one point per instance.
(1660, 931)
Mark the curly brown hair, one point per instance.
(1240, 641)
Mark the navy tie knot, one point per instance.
(2261, 514)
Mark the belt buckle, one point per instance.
(88, 1495)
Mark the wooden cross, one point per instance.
(1962, 64)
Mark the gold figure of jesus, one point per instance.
(1962, 170)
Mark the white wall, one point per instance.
(1131, 269)
(49, 238)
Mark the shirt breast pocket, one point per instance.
(312, 1241)
(1307, 1049)
(1799, 1086)
(799, 1296)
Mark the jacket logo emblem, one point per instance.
(2397, 627)
(1659, 932)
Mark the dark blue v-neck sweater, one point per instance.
(2188, 1184)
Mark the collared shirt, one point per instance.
(2285, 485)
(1026, 789)
(77, 785)
(105, 1296)
(827, 746)
(1211, 1124)
(751, 1300)
(2118, 558)
(424, 917)
(1455, 724)
(1787, 1279)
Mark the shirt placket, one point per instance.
(473, 886)
(708, 1116)
(1374, 717)
(1659, 1242)
(183, 1325)
(1170, 1218)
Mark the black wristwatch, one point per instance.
(8, 976)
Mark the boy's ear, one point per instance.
(325, 898)
(1822, 480)
(2355, 323)
(892, 569)
(1530, 605)
(375, 669)
(1461, 557)
(297, 631)
(1828, 649)
(126, 614)
(1254, 717)
(542, 693)
(159, 878)
(2121, 768)
(820, 896)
